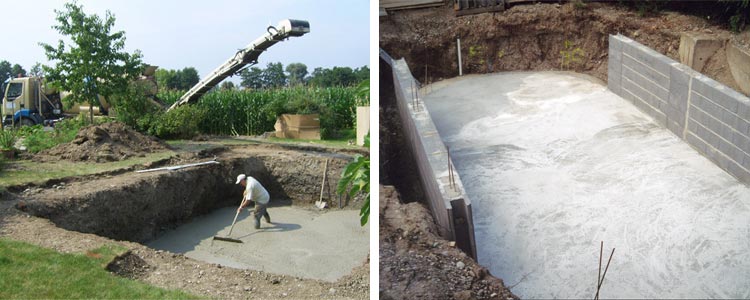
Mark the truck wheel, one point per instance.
(25, 122)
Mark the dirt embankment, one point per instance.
(136, 206)
(113, 141)
(534, 38)
(415, 263)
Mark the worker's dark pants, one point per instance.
(261, 210)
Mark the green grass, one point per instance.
(32, 272)
(25, 171)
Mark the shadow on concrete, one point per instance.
(274, 227)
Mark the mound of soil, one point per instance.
(106, 142)
(416, 263)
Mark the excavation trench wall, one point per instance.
(711, 117)
(138, 207)
(445, 196)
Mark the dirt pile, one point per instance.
(537, 37)
(106, 142)
(417, 263)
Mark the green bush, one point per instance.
(36, 139)
(169, 97)
(133, 103)
(182, 122)
(8, 139)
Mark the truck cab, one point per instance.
(25, 103)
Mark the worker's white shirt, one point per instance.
(256, 192)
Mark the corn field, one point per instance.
(253, 112)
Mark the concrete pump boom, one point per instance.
(249, 55)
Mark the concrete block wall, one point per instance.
(448, 203)
(711, 117)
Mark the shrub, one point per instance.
(133, 103)
(181, 122)
(36, 139)
(8, 139)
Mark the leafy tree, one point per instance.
(362, 73)
(177, 79)
(17, 71)
(227, 86)
(338, 76)
(273, 75)
(95, 64)
(36, 70)
(187, 78)
(5, 70)
(252, 78)
(297, 73)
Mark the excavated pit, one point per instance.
(180, 211)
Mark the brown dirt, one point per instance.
(89, 204)
(113, 141)
(416, 263)
(533, 37)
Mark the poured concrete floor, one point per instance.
(554, 163)
(300, 242)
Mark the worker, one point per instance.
(254, 191)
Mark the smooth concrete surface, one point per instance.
(555, 163)
(300, 242)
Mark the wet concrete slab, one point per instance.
(300, 242)
(554, 163)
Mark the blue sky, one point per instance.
(203, 34)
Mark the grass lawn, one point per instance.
(26, 171)
(32, 272)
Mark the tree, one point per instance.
(187, 78)
(95, 64)
(36, 70)
(227, 86)
(338, 76)
(252, 78)
(5, 70)
(362, 73)
(297, 73)
(273, 75)
(17, 71)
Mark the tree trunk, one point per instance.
(91, 114)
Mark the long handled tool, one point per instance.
(227, 238)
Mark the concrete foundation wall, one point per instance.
(448, 202)
(711, 117)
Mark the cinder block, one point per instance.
(716, 92)
(710, 138)
(639, 67)
(673, 115)
(615, 42)
(743, 110)
(741, 141)
(649, 57)
(696, 143)
(692, 126)
(643, 94)
(697, 115)
(746, 163)
(674, 127)
(739, 173)
(708, 106)
(637, 78)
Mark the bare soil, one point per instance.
(535, 37)
(113, 141)
(416, 263)
(78, 214)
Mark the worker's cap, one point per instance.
(240, 178)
